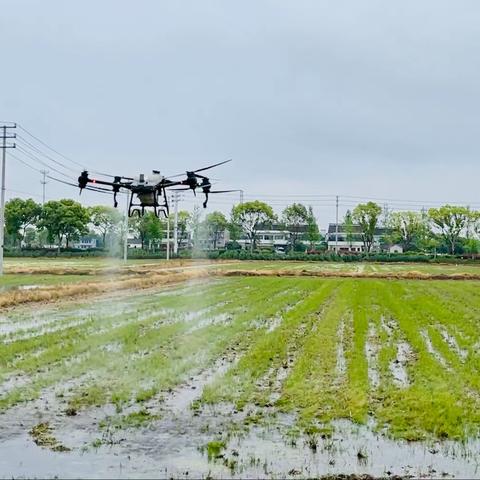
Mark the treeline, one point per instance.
(57, 224)
(447, 229)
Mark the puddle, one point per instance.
(28, 287)
(280, 377)
(180, 399)
(371, 353)
(398, 366)
(352, 449)
(173, 448)
(222, 319)
(341, 365)
(453, 344)
(431, 350)
(13, 382)
(389, 326)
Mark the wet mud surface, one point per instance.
(176, 443)
(176, 434)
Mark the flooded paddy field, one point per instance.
(245, 377)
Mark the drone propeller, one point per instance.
(200, 185)
(194, 172)
(212, 166)
(222, 191)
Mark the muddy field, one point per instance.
(191, 372)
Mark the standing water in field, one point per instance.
(191, 381)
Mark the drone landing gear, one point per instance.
(150, 199)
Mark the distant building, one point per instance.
(206, 240)
(395, 248)
(134, 243)
(350, 241)
(85, 243)
(276, 237)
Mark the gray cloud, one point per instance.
(357, 98)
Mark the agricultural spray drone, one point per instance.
(151, 191)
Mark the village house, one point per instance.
(349, 240)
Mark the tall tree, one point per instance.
(234, 229)
(295, 216)
(64, 219)
(19, 215)
(149, 229)
(313, 234)
(407, 228)
(184, 219)
(450, 220)
(367, 215)
(348, 223)
(249, 216)
(106, 220)
(216, 224)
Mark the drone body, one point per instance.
(151, 191)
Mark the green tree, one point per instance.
(216, 224)
(295, 216)
(149, 229)
(450, 220)
(249, 216)
(407, 228)
(367, 215)
(106, 220)
(19, 215)
(348, 222)
(313, 234)
(472, 245)
(235, 230)
(64, 219)
(184, 219)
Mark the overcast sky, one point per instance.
(371, 99)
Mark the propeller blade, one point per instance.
(93, 189)
(201, 169)
(223, 191)
(200, 185)
(212, 166)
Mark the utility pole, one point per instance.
(125, 229)
(44, 182)
(175, 227)
(4, 147)
(168, 238)
(386, 214)
(336, 224)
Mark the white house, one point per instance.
(274, 236)
(85, 243)
(350, 241)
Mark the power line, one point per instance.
(51, 148)
(82, 166)
(45, 164)
(39, 152)
(25, 163)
